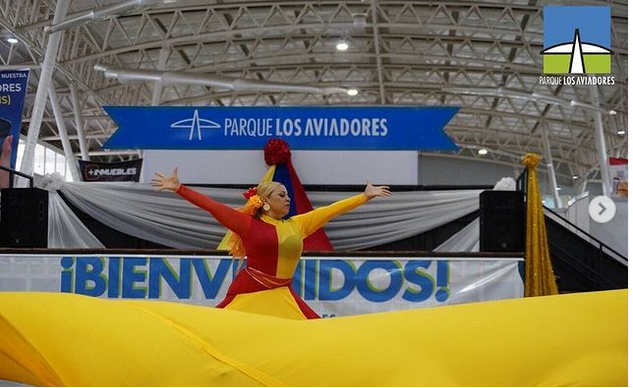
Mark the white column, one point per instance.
(158, 87)
(63, 134)
(46, 74)
(83, 146)
(601, 147)
(550, 166)
(381, 85)
(583, 186)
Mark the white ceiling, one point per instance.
(482, 56)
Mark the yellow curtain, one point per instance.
(61, 339)
(539, 275)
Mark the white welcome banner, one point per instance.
(332, 286)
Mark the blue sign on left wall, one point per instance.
(13, 85)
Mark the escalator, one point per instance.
(582, 262)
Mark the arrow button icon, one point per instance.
(602, 209)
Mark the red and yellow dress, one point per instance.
(273, 249)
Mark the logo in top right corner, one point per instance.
(577, 40)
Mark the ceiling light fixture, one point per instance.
(621, 132)
(12, 40)
(482, 151)
(342, 46)
(352, 92)
(359, 20)
(574, 177)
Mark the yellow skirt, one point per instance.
(65, 339)
(276, 302)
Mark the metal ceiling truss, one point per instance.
(401, 53)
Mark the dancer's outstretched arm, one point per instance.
(227, 216)
(311, 221)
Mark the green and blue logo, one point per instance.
(577, 40)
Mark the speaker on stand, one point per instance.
(501, 221)
(23, 218)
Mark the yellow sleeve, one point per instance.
(311, 221)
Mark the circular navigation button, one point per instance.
(602, 209)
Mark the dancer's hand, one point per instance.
(6, 146)
(5, 161)
(166, 182)
(372, 191)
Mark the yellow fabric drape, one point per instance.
(539, 275)
(73, 340)
(224, 244)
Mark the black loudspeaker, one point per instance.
(501, 221)
(24, 218)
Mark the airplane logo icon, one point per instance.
(564, 52)
(195, 125)
(577, 50)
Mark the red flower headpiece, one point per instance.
(250, 192)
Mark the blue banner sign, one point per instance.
(13, 84)
(304, 128)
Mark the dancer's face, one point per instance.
(279, 202)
